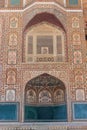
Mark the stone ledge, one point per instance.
(44, 126)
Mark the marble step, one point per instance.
(44, 128)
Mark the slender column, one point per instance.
(24, 3)
(6, 3)
(34, 46)
(81, 4)
(54, 47)
(69, 115)
(65, 3)
(22, 106)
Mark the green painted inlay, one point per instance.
(15, 2)
(73, 2)
(80, 111)
(46, 113)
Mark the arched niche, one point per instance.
(56, 38)
(46, 100)
(45, 42)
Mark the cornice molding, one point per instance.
(41, 3)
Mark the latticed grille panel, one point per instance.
(59, 45)
(30, 45)
(44, 45)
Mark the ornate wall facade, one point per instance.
(43, 63)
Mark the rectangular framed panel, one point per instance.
(15, 3)
(79, 111)
(73, 2)
(30, 45)
(45, 44)
(59, 45)
(9, 112)
(46, 113)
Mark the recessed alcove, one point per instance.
(45, 99)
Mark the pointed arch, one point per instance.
(45, 17)
(50, 99)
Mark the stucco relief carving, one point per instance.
(2, 98)
(80, 95)
(13, 39)
(10, 95)
(77, 57)
(75, 22)
(30, 96)
(12, 57)
(13, 22)
(48, 89)
(59, 95)
(62, 75)
(11, 77)
(45, 97)
(76, 39)
(79, 79)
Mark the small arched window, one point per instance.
(59, 96)
(45, 96)
(30, 96)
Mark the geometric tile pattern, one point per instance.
(15, 23)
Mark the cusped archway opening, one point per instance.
(45, 99)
